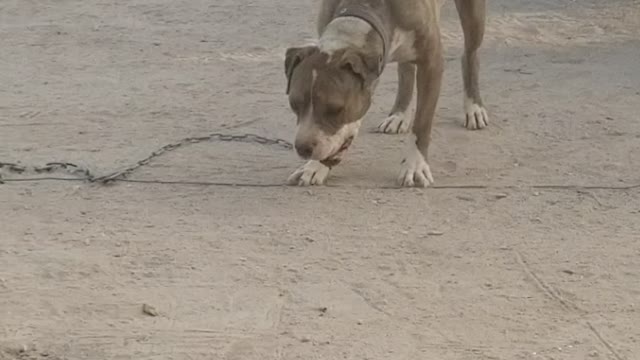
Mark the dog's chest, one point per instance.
(402, 47)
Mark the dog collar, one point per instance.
(367, 14)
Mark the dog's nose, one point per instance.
(305, 150)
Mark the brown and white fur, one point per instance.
(331, 83)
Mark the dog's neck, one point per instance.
(351, 32)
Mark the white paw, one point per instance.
(415, 170)
(398, 123)
(311, 173)
(476, 116)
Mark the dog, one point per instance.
(330, 84)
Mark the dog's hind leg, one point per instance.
(399, 120)
(472, 16)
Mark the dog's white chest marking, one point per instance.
(403, 46)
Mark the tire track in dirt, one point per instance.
(569, 306)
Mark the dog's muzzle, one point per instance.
(336, 158)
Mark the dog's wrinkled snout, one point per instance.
(304, 149)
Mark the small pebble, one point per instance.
(323, 310)
(149, 310)
(435, 233)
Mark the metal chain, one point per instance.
(81, 173)
(77, 171)
(246, 138)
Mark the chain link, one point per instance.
(12, 167)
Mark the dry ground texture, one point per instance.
(357, 270)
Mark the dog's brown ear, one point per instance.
(293, 58)
(366, 66)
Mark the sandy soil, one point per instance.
(352, 271)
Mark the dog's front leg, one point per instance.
(312, 173)
(415, 168)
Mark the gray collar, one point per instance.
(367, 14)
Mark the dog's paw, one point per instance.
(311, 173)
(398, 123)
(476, 116)
(415, 171)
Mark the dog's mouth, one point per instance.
(337, 156)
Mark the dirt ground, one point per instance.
(511, 269)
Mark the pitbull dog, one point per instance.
(330, 84)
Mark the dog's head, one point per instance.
(330, 94)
